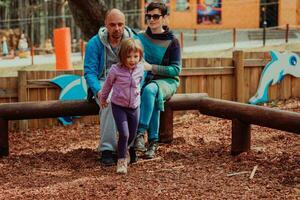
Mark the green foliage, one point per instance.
(4, 3)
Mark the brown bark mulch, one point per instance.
(62, 163)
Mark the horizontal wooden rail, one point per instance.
(38, 110)
(242, 116)
(47, 109)
(256, 62)
(207, 71)
(252, 114)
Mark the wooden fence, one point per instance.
(233, 79)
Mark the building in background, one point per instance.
(224, 14)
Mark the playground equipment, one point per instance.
(282, 64)
(73, 87)
(242, 116)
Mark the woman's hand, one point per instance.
(147, 66)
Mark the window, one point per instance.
(182, 5)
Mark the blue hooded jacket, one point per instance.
(95, 58)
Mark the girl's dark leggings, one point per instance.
(126, 121)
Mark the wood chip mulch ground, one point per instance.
(62, 163)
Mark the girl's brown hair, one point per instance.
(127, 46)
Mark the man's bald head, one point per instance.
(114, 12)
(115, 23)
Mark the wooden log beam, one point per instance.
(250, 114)
(4, 148)
(241, 137)
(184, 101)
(47, 109)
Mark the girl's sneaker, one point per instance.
(122, 166)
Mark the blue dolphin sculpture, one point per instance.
(73, 88)
(280, 65)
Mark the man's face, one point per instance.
(115, 23)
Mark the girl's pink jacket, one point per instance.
(125, 84)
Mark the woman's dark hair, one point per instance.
(160, 6)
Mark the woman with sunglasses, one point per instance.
(163, 65)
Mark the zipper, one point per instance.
(130, 87)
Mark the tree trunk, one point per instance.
(60, 9)
(88, 15)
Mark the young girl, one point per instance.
(125, 78)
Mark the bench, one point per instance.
(242, 116)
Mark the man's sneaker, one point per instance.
(122, 166)
(133, 156)
(139, 143)
(150, 153)
(107, 158)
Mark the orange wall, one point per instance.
(235, 13)
(288, 12)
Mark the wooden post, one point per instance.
(166, 125)
(22, 95)
(238, 59)
(181, 41)
(264, 35)
(82, 49)
(234, 37)
(287, 33)
(4, 148)
(241, 137)
(32, 54)
(195, 34)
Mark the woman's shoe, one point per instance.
(150, 153)
(139, 143)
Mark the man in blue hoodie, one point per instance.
(101, 52)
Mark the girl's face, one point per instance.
(132, 59)
(154, 19)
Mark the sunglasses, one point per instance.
(155, 16)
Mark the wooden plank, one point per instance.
(202, 84)
(295, 87)
(207, 71)
(22, 95)
(246, 92)
(227, 62)
(255, 62)
(285, 87)
(52, 94)
(13, 85)
(217, 87)
(254, 80)
(42, 123)
(273, 92)
(238, 57)
(195, 84)
(181, 88)
(256, 55)
(188, 85)
(210, 86)
(228, 89)
(8, 93)
(33, 96)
